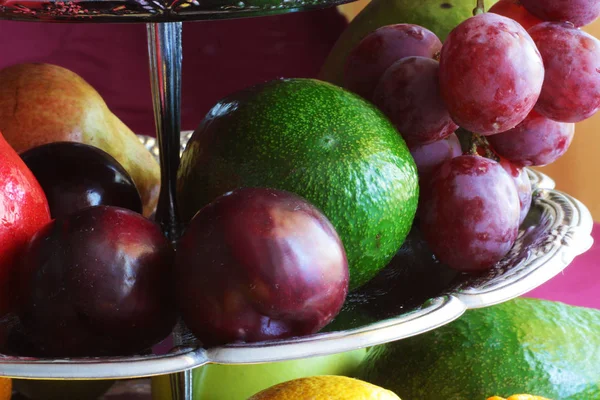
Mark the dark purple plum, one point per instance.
(259, 264)
(96, 283)
(75, 176)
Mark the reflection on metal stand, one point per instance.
(181, 385)
(166, 53)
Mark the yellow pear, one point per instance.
(43, 103)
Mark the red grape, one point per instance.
(491, 74)
(513, 9)
(577, 12)
(379, 50)
(536, 141)
(470, 217)
(523, 185)
(571, 91)
(429, 156)
(409, 94)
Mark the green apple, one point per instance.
(238, 382)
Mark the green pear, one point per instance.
(439, 16)
(43, 103)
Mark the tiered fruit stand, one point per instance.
(557, 229)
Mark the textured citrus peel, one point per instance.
(519, 397)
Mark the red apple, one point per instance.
(23, 211)
(259, 264)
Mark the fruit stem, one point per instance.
(480, 9)
(479, 146)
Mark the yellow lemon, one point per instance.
(327, 387)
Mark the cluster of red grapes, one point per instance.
(517, 78)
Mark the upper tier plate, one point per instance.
(400, 302)
(150, 10)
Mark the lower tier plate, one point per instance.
(413, 295)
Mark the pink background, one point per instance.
(579, 283)
(219, 57)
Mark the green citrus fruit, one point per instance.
(531, 346)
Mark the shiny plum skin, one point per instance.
(491, 74)
(523, 185)
(537, 141)
(571, 91)
(380, 49)
(513, 9)
(429, 156)
(96, 283)
(76, 175)
(259, 264)
(470, 215)
(408, 93)
(577, 12)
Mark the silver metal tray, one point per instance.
(557, 229)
